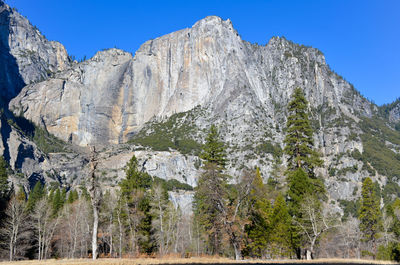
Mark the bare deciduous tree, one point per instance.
(119, 214)
(46, 225)
(387, 234)
(95, 196)
(135, 216)
(15, 228)
(236, 213)
(314, 223)
(342, 241)
(158, 210)
(107, 220)
(72, 232)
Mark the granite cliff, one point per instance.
(159, 103)
(26, 55)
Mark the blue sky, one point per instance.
(360, 39)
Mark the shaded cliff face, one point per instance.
(26, 55)
(109, 97)
(394, 114)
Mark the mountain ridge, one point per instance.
(159, 103)
(174, 82)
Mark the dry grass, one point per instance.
(174, 260)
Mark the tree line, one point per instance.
(235, 216)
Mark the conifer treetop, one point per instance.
(299, 137)
(214, 149)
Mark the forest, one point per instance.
(232, 216)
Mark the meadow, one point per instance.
(192, 261)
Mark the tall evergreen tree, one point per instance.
(370, 215)
(135, 179)
(282, 233)
(299, 136)
(300, 186)
(134, 189)
(211, 192)
(302, 158)
(214, 149)
(259, 228)
(57, 201)
(4, 188)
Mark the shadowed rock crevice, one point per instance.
(5, 131)
(24, 152)
(34, 178)
(11, 81)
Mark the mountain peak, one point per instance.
(210, 20)
(213, 21)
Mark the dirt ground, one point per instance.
(191, 261)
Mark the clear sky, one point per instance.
(360, 38)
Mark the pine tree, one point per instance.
(259, 229)
(4, 188)
(57, 202)
(281, 234)
(300, 186)
(370, 214)
(302, 158)
(134, 190)
(214, 150)
(63, 196)
(299, 141)
(35, 195)
(72, 196)
(211, 192)
(135, 179)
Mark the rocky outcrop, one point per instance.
(26, 55)
(208, 75)
(106, 99)
(394, 114)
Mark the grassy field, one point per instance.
(149, 261)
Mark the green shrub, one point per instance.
(172, 184)
(376, 153)
(344, 171)
(389, 252)
(390, 190)
(268, 147)
(380, 156)
(44, 140)
(350, 208)
(175, 133)
(332, 171)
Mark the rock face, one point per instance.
(208, 75)
(26, 55)
(107, 98)
(394, 114)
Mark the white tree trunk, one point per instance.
(95, 194)
(94, 235)
(238, 254)
(308, 255)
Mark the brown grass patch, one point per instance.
(172, 259)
